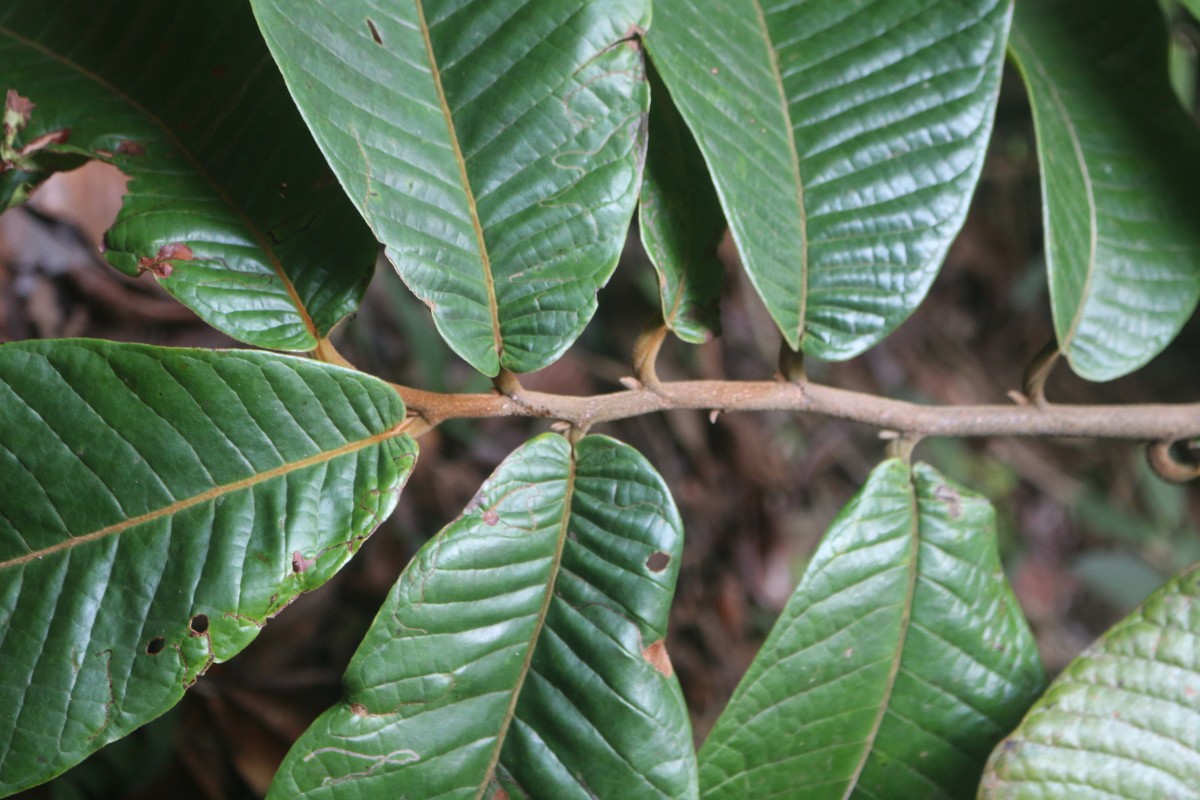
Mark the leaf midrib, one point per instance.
(485, 260)
(901, 641)
(203, 497)
(1026, 49)
(798, 182)
(187, 153)
(539, 626)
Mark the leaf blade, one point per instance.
(459, 688)
(500, 178)
(1118, 158)
(119, 589)
(220, 161)
(1122, 720)
(681, 224)
(844, 697)
(841, 202)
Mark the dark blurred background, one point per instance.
(1086, 530)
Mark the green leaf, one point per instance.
(228, 191)
(1193, 7)
(844, 139)
(494, 146)
(158, 507)
(522, 649)
(681, 223)
(900, 660)
(1120, 163)
(1123, 719)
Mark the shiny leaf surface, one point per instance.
(158, 507)
(1122, 720)
(522, 649)
(1120, 165)
(681, 224)
(900, 660)
(230, 204)
(845, 140)
(494, 146)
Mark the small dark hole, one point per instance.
(199, 623)
(657, 562)
(156, 645)
(374, 31)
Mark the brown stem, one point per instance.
(1151, 422)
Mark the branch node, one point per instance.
(712, 416)
(506, 383)
(1163, 460)
(631, 383)
(791, 364)
(1033, 384)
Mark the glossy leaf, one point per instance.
(900, 660)
(158, 507)
(1123, 719)
(494, 146)
(681, 224)
(845, 140)
(522, 649)
(1120, 164)
(228, 192)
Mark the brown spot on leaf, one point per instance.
(175, 251)
(951, 498)
(131, 148)
(60, 136)
(657, 655)
(358, 710)
(490, 517)
(657, 562)
(500, 794)
(633, 36)
(155, 645)
(374, 31)
(300, 563)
